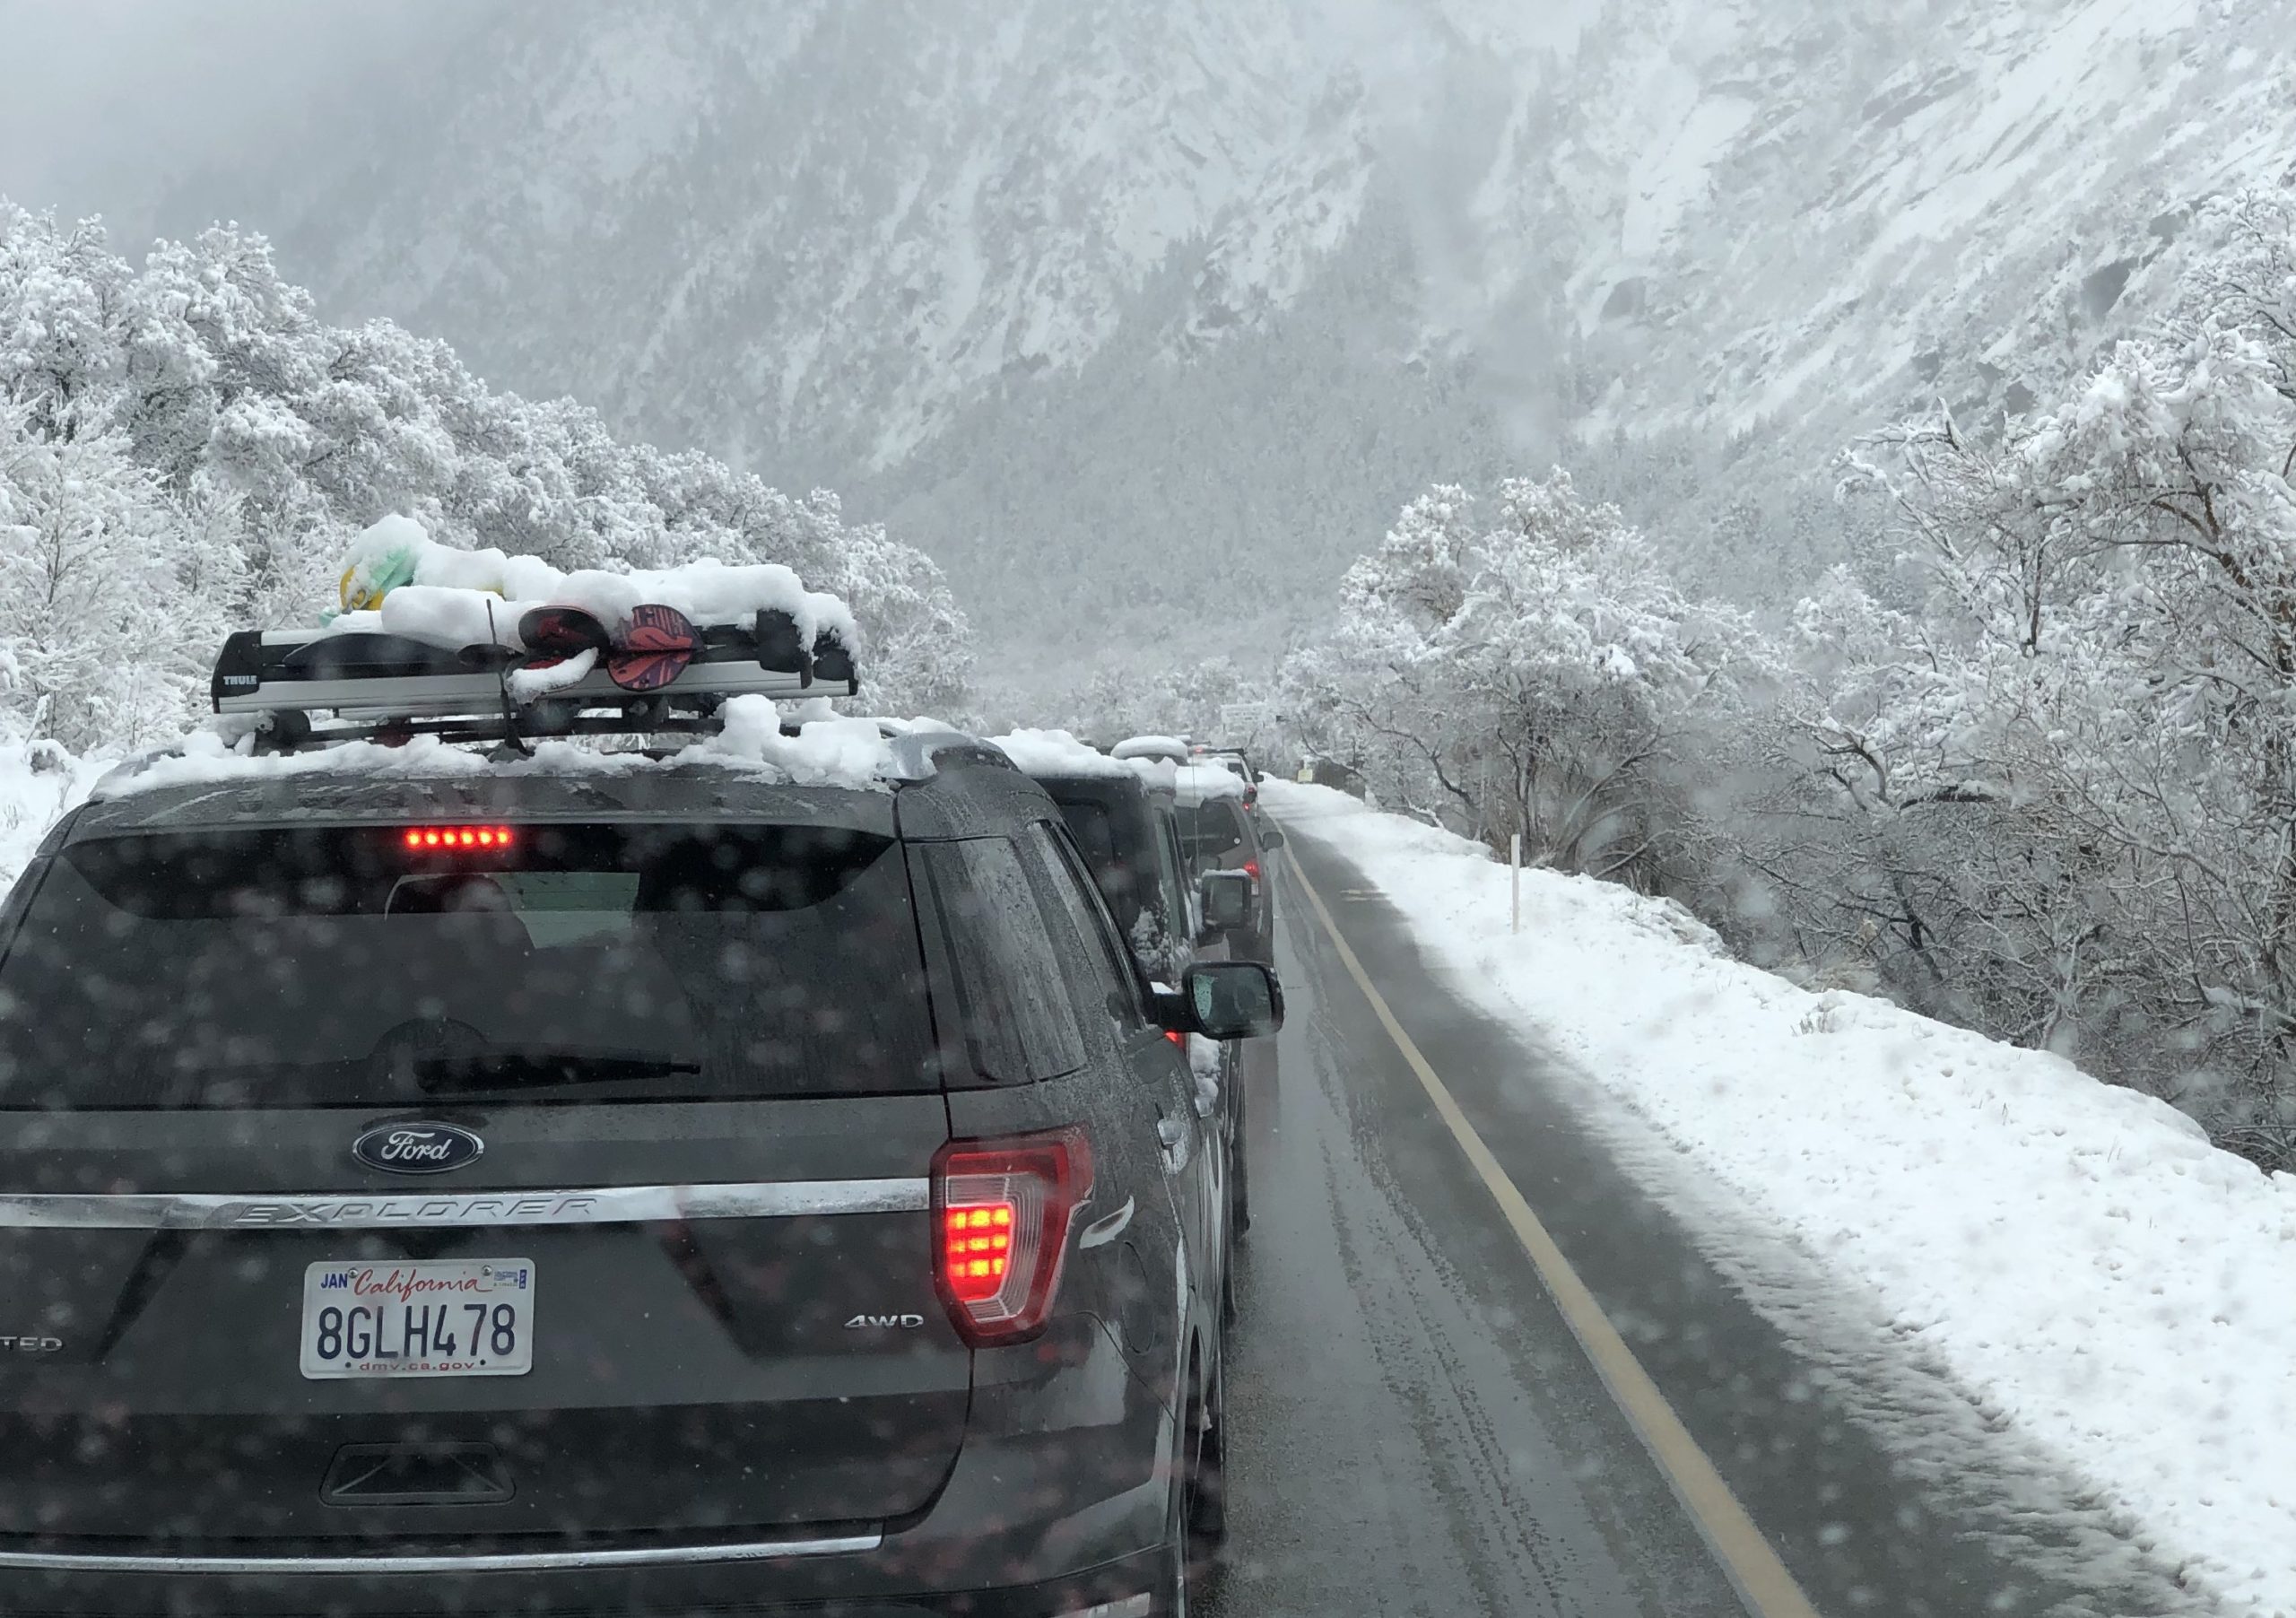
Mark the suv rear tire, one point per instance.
(1199, 1503)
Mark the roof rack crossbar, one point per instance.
(381, 684)
(290, 737)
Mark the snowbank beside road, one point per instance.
(2079, 1255)
(35, 790)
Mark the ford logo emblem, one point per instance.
(417, 1148)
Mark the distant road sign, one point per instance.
(1239, 721)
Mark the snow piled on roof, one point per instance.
(1151, 747)
(1200, 783)
(458, 599)
(1058, 752)
(853, 753)
(824, 752)
(2088, 1268)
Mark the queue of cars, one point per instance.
(446, 1170)
(1134, 814)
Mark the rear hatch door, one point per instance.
(569, 1183)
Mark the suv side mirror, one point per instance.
(1225, 1000)
(1270, 838)
(1227, 903)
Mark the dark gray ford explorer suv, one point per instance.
(663, 1191)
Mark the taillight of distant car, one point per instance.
(1001, 1213)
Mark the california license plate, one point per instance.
(467, 1318)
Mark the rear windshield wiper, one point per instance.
(486, 1070)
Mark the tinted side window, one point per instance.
(1101, 844)
(1101, 967)
(1018, 1017)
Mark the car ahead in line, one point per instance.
(1234, 761)
(1121, 816)
(652, 1188)
(1124, 815)
(1220, 832)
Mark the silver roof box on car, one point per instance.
(388, 686)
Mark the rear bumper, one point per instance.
(1112, 1589)
(1010, 1537)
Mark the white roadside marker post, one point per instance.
(1515, 880)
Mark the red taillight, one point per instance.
(424, 839)
(1251, 869)
(1001, 1213)
(976, 1248)
(1176, 1036)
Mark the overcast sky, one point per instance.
(109, 102)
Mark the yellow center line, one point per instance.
(1769, 1590)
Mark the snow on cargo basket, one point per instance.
(475, 643)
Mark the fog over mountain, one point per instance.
(1050, 286)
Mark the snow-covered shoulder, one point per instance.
(39, 783)
(852, 753)
(2079, 1254)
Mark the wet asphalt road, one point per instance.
(1413, 1430)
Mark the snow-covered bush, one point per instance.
(185, 447)
(1536, 673)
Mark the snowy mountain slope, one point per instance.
(886, 208)
(989, 265)
(1779, 216)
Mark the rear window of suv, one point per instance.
(333, 966)
(1211, 829)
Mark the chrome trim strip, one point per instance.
(610, 1204)
(533, 1561)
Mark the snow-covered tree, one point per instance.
(90, 560)
(187, 448)
(2037, 773)
(2101, 701)
(1538, 674)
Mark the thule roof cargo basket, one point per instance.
(374, 682)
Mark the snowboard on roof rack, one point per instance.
(663, 665)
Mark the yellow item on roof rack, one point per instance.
(390, 553)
